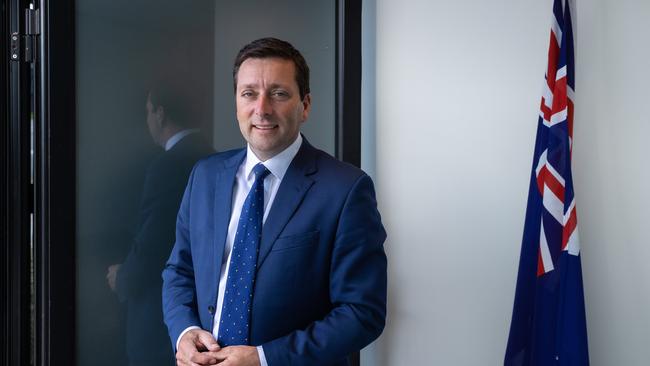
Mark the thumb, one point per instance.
(208, 341)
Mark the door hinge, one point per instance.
(32, 22)
(32, 30)
(23, 47)
(15, 46)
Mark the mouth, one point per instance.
(265, 127)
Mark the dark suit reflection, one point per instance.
(138, 281)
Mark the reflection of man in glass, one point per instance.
(137, 281)
(279, 255)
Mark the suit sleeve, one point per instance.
(153, 241)
(358, 280)
(178, 292)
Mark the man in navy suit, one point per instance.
(137, 280)
(319, 290)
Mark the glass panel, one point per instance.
(124, 50)
(133, 57)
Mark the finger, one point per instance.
(213, 347)
(207, 340)
(202, 358)
(189, 363)
(196, 359)
(198, 344)
(223, 354)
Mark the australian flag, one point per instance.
(548, 320)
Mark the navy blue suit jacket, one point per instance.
(320, 289)
(138, 280)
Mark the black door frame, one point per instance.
(17, 190)
(348, 81)
(56, 186)
(52, 198)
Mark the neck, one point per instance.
(167, 133)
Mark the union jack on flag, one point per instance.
(548, 320)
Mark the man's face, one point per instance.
(269, 108)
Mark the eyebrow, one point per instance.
(271, 86)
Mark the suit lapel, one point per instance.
(223, 188)
(294, 186)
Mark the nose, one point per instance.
(263, 106)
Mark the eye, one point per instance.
(279, 94)
(247, 94)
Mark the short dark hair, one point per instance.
(176, 101)
(273, 47)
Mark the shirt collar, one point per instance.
(177, 137)
(278, 164)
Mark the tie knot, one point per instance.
(260, 171)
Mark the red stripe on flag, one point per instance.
(554, 185)
(546, 111)
(569, 227)
(570, 117)
(553, 52)
(559, 96)
(540, 263)
(545, 178)
(540, 180)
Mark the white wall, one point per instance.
(457, 93)
(611, 173)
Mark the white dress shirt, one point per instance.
(244, 180)
(177, 137)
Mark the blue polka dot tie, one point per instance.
(236, 312)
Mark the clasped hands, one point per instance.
(199, 348)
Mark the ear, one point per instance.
(306, 107)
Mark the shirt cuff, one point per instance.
(260, 353)
(183, 333)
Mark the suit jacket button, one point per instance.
(211, 309)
